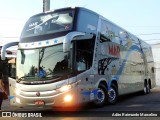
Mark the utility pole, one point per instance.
(46, 5)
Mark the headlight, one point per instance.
(65, 88)
(68, 98)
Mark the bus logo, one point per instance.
(38, 94)
(114, 50)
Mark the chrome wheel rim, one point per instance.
(100, 96)
(112, 95)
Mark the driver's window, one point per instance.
(81, 61)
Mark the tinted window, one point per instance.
(42, 64)
(87, 22)
(84, 54)
(48, 23)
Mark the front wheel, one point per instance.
(113, 94)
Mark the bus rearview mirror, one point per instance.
(3, 50)
(74, 36)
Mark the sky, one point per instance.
(139, 17)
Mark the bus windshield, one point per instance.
(42, 64)
(48, 23)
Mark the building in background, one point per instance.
(156, 56)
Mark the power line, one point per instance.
(152, 39)
(155, 44)
(8, 37)
(147, 34)
(157, 26)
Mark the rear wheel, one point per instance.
(146, 88)
(113, 94)
(101, 96)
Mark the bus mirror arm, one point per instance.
(68, 38)
(74, 36)
(3, 50)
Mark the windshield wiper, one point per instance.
(23, 78)
(53, 76)
(20, 79)
(47, 77)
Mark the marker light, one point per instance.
(65, 88)
(68, 98)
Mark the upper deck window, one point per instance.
(87, 21)
(48, 23)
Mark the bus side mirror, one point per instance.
(74, 36)
(68, 38)
(3, 50)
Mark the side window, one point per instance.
(106, 33)
(87, 22)
(109, 32)
(125, 39)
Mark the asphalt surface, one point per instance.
(128, 107)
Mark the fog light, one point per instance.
(18, 100)
(68, 98)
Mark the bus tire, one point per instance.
(113, 95)
(101, 96)
(148, 88)
(145, 89)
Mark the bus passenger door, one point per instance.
(84, 50)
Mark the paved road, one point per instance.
(149, 103)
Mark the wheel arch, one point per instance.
(113, 82)
(102, 81)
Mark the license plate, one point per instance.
(39, 102)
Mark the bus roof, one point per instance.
(65, 9)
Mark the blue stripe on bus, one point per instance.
(11, 97)
(89, 92)
(116, 77)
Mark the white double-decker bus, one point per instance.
(72, 56)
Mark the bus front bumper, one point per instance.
(46, 99)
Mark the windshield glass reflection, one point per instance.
(42, 64)
(48, 23)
